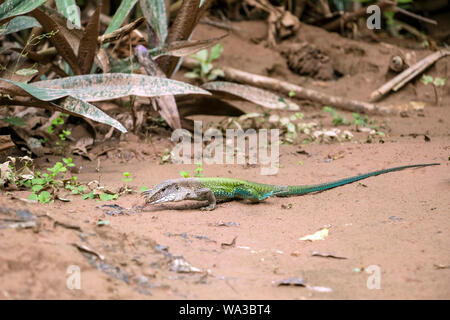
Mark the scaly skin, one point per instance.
(213, 189)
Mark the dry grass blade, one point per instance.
(184, 48)
(58, 40)
(88, 44)
(119, 33)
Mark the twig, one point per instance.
(400, 80)
(220, 25)
(117, 34)
(284, 87)
(416, 16)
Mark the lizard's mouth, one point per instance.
(169, 198)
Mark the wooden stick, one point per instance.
(400, 80)
(284, 87)
(416, 16)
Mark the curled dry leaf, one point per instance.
(259, 96)
(88, 43)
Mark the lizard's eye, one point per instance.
(176, 188)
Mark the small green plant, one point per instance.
(198, 170)
(166, 157)
(337, 118)
(56, 127)
(185, 174)
(435, 82)
(52, 181)
(206, 71)
(126, 177)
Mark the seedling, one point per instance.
(435, 82)
(166, 157)
(126, 177)
(42, 181)
(337, 118)
(206, 71)
(198, 170)
(185, 174)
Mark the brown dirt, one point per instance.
(398, 221)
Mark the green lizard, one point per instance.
(213, 189)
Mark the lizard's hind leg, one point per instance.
(205, 194)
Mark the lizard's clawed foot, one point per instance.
(210, 207)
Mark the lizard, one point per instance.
(214, 189)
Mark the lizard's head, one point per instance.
(167, 191)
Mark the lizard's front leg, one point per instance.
(205, 194)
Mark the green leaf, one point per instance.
(201, 56)
(185, 174)
(44, 197)
(259, 96)
(108, 197)
(70, 10)
(14, 121)
(143, 188)
(37, 187)
(155, 13)
(33, 196)
(121, 13)
(216, 52)
(439, 82)
(18, 24)
(11, 8)
(426, 79)
(192, 75)
(89, 195)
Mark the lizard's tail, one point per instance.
(299, 190)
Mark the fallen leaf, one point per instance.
(319, 235)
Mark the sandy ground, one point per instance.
(398, 222)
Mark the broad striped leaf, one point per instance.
(69, 104)
(259, 96)
(155, 13)
(79, 107)
(18, 24)
(121, 13)
(11, 8)
(43, 94)
(106, 86)
(70, 10)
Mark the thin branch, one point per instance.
(284, 87)
(403, 78)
